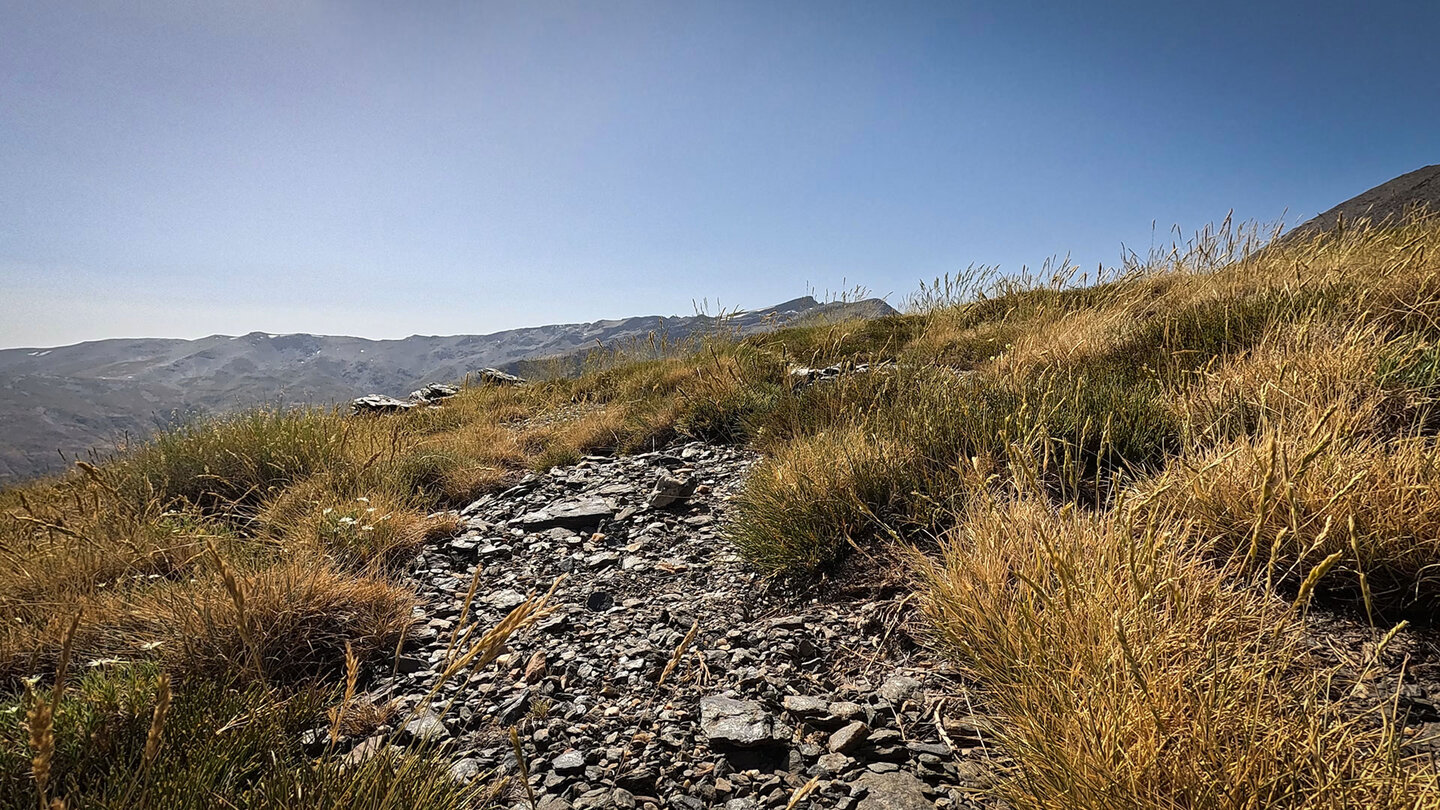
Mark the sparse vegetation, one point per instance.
(1124, 493)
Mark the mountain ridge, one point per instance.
(89, 394)
(1388, 201)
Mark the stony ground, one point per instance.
(774, 695)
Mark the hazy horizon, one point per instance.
(172, 170)
(700, 308)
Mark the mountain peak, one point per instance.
(1386, 202)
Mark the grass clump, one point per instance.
(897, 450)
(232, 462)
(1130, 672)
(124, 738)
(1279, 504)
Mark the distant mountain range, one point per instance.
(69, 399)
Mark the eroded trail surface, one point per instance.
(774, 695)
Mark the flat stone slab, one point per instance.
(893, 791)
(574, 515)
(739, 723)
(379, 403)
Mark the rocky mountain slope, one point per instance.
(1385, 201)
(73, 398)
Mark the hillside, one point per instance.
(74, 398)
(1388, 201)
(1165, 540)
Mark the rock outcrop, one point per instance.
(430, 395)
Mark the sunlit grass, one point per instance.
(1130, 490)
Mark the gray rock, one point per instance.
(600, 601)
(671, 490)
(602, 560)
(494, 376)
(802, 706)
(434, 392)
(476, 506)
(517, 707)
(364, 751)
(427, 727)
(465, 770)
(568, 763)
(508, 599)
(833, 764)
(409, 664)
(379, 403)
(899, 689)
(849, 738)
(893, 791)
(574, 515)
(738, 723)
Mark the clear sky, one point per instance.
(180, 168)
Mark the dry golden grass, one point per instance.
(1279, 503)
(1133, 486)
(1139, 484)
(1129, 672)
(814, 496)
(278, 494)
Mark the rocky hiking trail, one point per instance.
(665, 672)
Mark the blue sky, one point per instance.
(173, 168)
